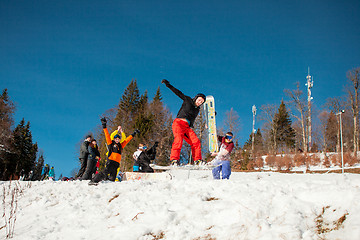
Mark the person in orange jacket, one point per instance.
(114, 156)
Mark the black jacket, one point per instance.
(147, 156)
(188, 109)
(84, 150)
(93, 152)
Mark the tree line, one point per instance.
(137, 111)
(283, 130)
(19, 155)
(284, 127)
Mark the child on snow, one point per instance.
(114, 156)
(135, 157)
(222, 159)
(183, 123)
(143, 157)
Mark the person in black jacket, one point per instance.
(143, 157)
(183, 123)
(93, 157)
(84, 152)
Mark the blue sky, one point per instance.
(67, 62)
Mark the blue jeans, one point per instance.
(223, 168)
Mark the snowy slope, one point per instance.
(248, 206)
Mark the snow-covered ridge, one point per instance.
(193, 206)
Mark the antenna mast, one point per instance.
(309, 84)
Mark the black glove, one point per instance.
(103, 122)
(156, 144)
(135, 132)
(165, 81)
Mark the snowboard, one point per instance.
(146, 176)
(183, 167)
(209, 109)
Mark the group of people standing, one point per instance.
(89, 158)
(116, 142)
(48, 173)
(182, 130)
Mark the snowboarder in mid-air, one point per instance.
(183, 123)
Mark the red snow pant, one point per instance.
(182, 131)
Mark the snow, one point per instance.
(259, 205)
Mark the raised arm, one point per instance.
(120, 132)
(107, 135)
(152, 150)
(127, 140)
(172, 88)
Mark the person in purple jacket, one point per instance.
(222, 159)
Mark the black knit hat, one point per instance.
(200, 95)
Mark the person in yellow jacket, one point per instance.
(114, 157)
(119, 132)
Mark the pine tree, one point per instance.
(126, 114)
(258, 142)
(135, 112)
(39, 165)
(331, 132)
(284, 134)
(335, 105)
(24, 149)
(157, 97)
(162, 131)
(143, 103)
(128, 106)
(144, 120)
(22, 153)
(7, 109)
